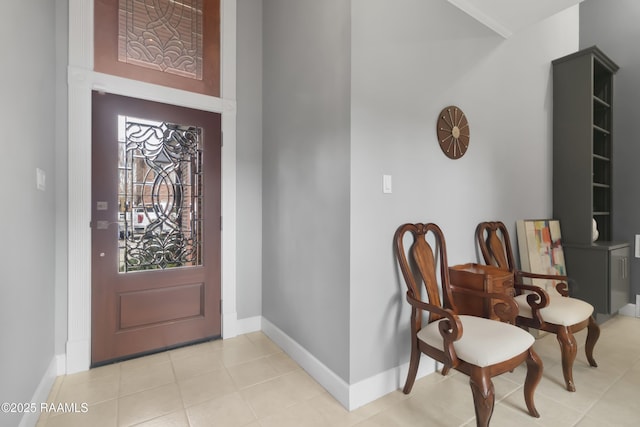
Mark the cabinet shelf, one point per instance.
(601, 145)
(601, 102)
(582, 129)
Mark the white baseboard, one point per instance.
(78, 356)
(61, 364)
(351, 396)
(248, 325)
(375, 387)
(229, 325)
(335, 385)
(629, 310)
(29, 419)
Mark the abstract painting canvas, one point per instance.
(540, 245)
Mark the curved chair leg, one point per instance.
(483, 396)
(534, 375)
(593, 333)
(568, 349)
(413, 368)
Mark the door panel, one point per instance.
(154, 306)
(155, 226)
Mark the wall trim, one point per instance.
(379, 385)
(351, 396)
(228, 17)
(248, 325)
(335, 385)
(61, 364)
(468, 7)
(42, 393)
(629, 310)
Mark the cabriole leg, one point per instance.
(534, 375)
(568, 349)
(593, 333)
(483, 397)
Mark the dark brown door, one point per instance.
(155, 261)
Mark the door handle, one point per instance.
(624, 265)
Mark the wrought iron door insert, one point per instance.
(160, 195)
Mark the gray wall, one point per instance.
(27, 80)
(410, 59)
(613, 27)
(306, 175)
(351, 93)
(249, 159)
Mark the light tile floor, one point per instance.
(248, 381)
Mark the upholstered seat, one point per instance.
(484, 342)
(478, 347)
(561, 310)
(551, 309)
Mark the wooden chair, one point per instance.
(550, 310)
(478, 347)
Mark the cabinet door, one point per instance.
(619, 278)
(589, 270)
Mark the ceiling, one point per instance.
(506, 17)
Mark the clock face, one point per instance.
(453, 132)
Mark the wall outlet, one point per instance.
(637, 245)
(637, 305)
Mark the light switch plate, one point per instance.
(41, 179)
(386, 184)
(637, 245)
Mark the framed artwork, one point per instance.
(540, 246)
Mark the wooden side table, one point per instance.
(485, 278)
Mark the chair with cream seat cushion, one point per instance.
(551, 310)
(478, 347)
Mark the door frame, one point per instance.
(82, 80)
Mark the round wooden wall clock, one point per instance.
(453, 132)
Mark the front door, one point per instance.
(155, 262)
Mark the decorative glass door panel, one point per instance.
(165, 42)
(159, 195)
(163, 35)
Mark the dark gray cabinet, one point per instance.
(600, 272)
(582, 171)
